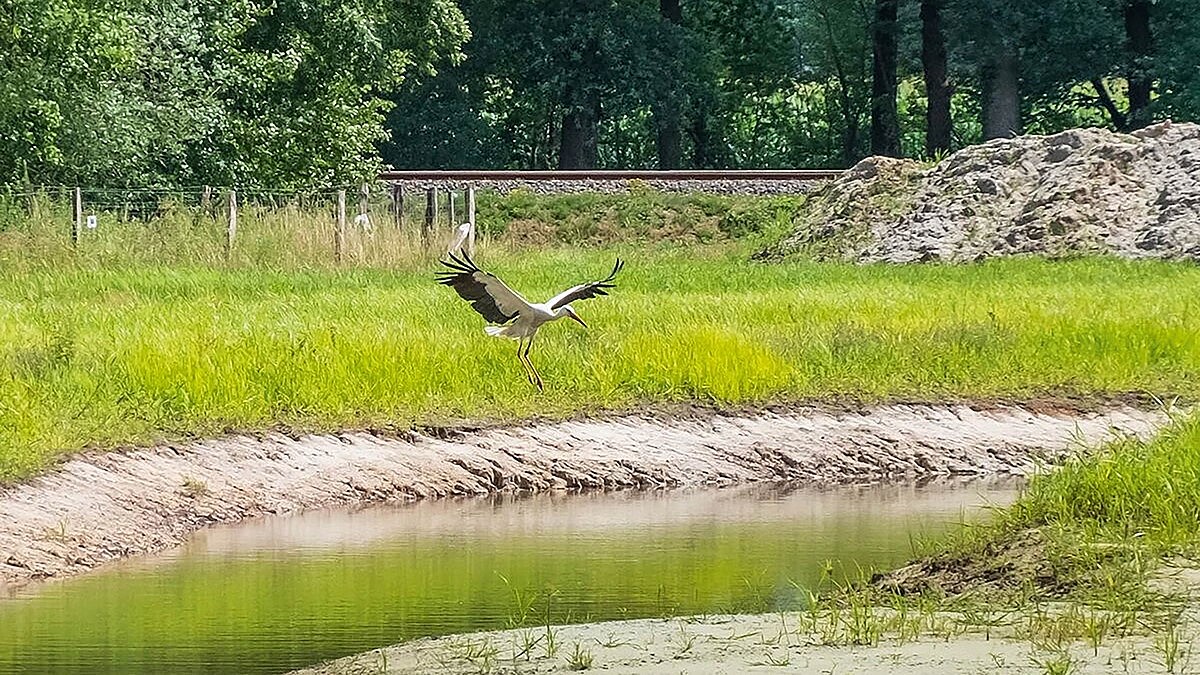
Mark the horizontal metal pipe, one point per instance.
(697, 175)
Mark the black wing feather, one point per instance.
(589, 290)
(461, 276)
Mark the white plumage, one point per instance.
(515, 317)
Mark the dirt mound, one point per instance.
(1078, 192)
(1007, 564)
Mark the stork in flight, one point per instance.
(515, 317)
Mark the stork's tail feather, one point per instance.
(495, 331)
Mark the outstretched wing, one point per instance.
(588, 290)
(487, 294)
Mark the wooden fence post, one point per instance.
(364, 201)
(76, 215)
(339, 231)
(450, 216)
(471, 219)
(30, 198)
(398, 205)
(430, 215)
(206, 200)
(231, 230)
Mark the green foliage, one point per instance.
(766, 82)
(536, 62)
(1079, 47)
(278, 94)
(1179, 42)
(644, 215)
(305, 93)
(51, 54)
(1148, 488)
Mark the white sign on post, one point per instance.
(91, 222)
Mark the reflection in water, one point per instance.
(280, 593)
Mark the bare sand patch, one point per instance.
(760, 643)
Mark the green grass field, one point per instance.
(298, 232)
(105, 355)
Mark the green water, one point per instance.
(281, 593)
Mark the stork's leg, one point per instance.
(524, 361)
(532, 368)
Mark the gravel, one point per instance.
(720, 187)
(1083, 191)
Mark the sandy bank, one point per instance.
(760, 643)
(100, 507)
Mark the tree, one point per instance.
(836, 49)
(1002, 94)
(308, 79)
(938, 123)
(55, 60)
(1175, 68)
(669, 103)
(272, 93)
(885, 123)
(745, 56)
(1140, 70)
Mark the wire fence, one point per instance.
(373, 223)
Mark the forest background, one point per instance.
(296, 94)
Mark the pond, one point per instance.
(274, 594)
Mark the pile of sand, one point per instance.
(1078, 192)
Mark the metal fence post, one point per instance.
(364, 200)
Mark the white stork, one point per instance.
(515, 317)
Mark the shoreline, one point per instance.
(101, 507)
(780, 642)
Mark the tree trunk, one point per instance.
(671, 11)
(669, 142)
(580, 128)
(667, 114)
(1141, 80)
(885, 121)
(845, 101)
(1119, 119)
(938, 124)
(1002, 96)
(850, 133)
(702, 156)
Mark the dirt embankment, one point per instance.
(1077, 192)
(100, 507)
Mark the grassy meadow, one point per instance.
(297, 231)
(104, 355)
